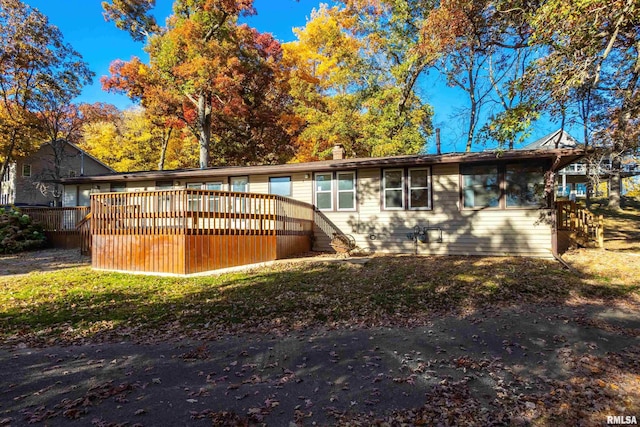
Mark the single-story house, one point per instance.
(486, 203)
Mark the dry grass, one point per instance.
(79, 304)
(622, 228)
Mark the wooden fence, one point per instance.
(61, 226)
(190, 231)
(583, 226)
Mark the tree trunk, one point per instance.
(472, 125)
(474, 108)
(204, 123)
(8, 157)
(585, 135)
(163, 150)
(615, 182)
(587, 173)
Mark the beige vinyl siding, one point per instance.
(301, 187)
(479, 232)
(464, 232)
(140, 186)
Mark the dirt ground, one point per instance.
(573, 364)
(502, 366)
(44, 260)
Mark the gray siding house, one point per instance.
(34, 180)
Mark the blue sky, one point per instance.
(100, 43)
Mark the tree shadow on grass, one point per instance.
(449, 340)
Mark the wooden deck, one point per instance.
(61, 226)
(191, 231)
(576, 225)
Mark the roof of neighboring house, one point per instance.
(561, 157)
(547, 142)
(89, 155)
(80, 150)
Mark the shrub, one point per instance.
(18, 232)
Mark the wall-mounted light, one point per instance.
(307, 176)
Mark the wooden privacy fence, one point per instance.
(582, 224)
(190, 231)
(61, 226)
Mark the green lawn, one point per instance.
(80, 304)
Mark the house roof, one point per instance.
(547, 142)
(84, 153)
(561, 158)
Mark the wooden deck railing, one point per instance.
(574, 218)
(84, 228)
(198, 212)
(190, 231)
(61, 226)
(57, 219)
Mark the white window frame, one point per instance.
(214, 201)
(316, 191)
(353, 191)
(411, 187)
(246, 187)
(26, 165)
(401, 188)
(194, 202)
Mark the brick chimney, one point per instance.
(338, 152)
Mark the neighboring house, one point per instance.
(573, 179)
(489, 203)
(33, 180)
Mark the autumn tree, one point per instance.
(219, 78)
(356, 68)
(131, 141)
(594, 44)
(39, 75)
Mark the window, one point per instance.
(511, 185)
(84, 196)
(165, 200)
(118, 188)
(164, 185)
(324, 187)
(346, 191)
(26, 170)
(393, 189)
(280, 186)
(524, 185)
(240, 184)
(419, 189)
(194, 200)
(480, 186)
(214, 200)
(406, 189)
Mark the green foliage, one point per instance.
(353, 81)
(39, 74)
(510, 127)
(18, 232)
